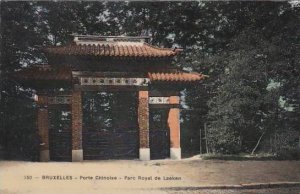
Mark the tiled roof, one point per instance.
(114, 50)
(65, 74)
(44, 72)
(179, 77)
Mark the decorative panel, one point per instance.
(59, 100)
(159, 100)
(113, 81)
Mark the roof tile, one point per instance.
(65, 74)
(115, 50)
(44, 72)
(182, 76)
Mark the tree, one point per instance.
(248, 49)
(19, 39)
(245, 108)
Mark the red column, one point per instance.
(174, 125)
(77, 152)
(43, 128)
(143, 121)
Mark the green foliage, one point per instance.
(19, 42)
(290, 153)
(244, 105)
(250, 50)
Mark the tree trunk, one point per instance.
(205, 133)
(271, 144)
(257, 144)
(201, 141)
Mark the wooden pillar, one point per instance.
(77, 152)
(174, 125)
(43, 128)
(143, 121)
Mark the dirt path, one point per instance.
(136, 176)
(207, 172)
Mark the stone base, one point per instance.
(175, 153)
(44, 156)
(77, 155)
(144, 154)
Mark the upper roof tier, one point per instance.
(112, 46)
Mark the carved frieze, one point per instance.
(59, 100)
(159, 100)
(113, 81)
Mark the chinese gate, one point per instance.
(110, 97)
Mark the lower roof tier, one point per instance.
(65, 74)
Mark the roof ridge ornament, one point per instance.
(98, 38)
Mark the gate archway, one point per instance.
(60, 134)
(159, 133)
(110, 127)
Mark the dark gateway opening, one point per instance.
(159, 133)
(60, 134)
(110, 127)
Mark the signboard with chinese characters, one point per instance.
(114, 81)
(159, 100)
